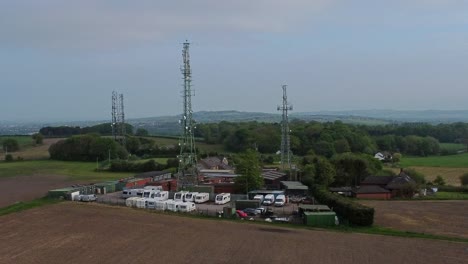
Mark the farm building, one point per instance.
(372, 192)
(317, 215)
(272, 178)
(215, 163)
(397, 186)
(345, 191)
(294, 188)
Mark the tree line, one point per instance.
(104, 129)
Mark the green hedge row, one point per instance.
(453, 189)
(346, 208)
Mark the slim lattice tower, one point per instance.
(187, 175)
(121, 118)
(285, 141)
(114, 115)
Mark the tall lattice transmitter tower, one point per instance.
(118, 118)
(285, 139)
(187, 174)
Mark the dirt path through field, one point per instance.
(83, 233)
(448, 218)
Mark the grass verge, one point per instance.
(21, 206)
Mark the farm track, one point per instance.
(91, 233)
(446, 218)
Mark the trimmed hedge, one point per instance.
(356, 214)
(452, 188)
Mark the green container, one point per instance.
(319, 218)
(63, 192)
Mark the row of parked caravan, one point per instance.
(270, 199)
(170, 204)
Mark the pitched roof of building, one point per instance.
(294, 185)
(400, 181)
(377, 180)
(214, 162)
(272, 175)
(368, 189)
(151, 174)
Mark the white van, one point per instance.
(161, 196)
(179, 196)
(187, 207)
(269, 199)
(190, 197)
(259, 198)
(223, 198)
(280, 200)
(202, 197)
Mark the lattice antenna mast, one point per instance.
(122, 128)
(114, 123)
(285, 140)
(187, 158)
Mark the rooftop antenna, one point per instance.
(285, 140)
(187, 174)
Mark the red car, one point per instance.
(241, 214)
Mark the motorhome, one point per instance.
(173, 205)
(180, 196)
(259, 198)
(190, 197)
(280, 200)
(223, 198)
(187, 207)
(269, 199)
(149, 193)
(202, 197)
(161, 196)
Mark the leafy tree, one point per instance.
(318, 171)
(439, 181)
(10, 145)
(141, 132)
(418, 177)
(464, 179)
(352, 168)
(341, 146)
(132, 144)
(8, 158)
(38, 138)
(396, 157)
(249, 170)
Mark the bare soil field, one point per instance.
(448, 218)
(92, 233)
(25, 188)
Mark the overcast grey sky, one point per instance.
(60, 60)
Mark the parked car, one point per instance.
(251, 211)
(241, 214)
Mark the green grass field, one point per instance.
(203, 147)
(77, 171)
(452, 147)
(450, 161)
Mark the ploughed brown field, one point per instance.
(447, 218)
(91, 233)
(26, 188)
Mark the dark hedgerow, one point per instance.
(355, 213)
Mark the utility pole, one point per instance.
(285, 139)
(187, 173)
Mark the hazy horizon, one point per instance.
(61, 60)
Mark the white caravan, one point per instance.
(151, 203)
(187, 207)
(280, 200)
(153, 188)
(141, 203)
(223, 198)
(179, 196)
(131, 202)
(161, 205)
(161, 196)
(173, 205)
(190, 197)
(149, 193)
(202, 197)
(269, 199)
(132, 193)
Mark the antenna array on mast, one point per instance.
(285, 139)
